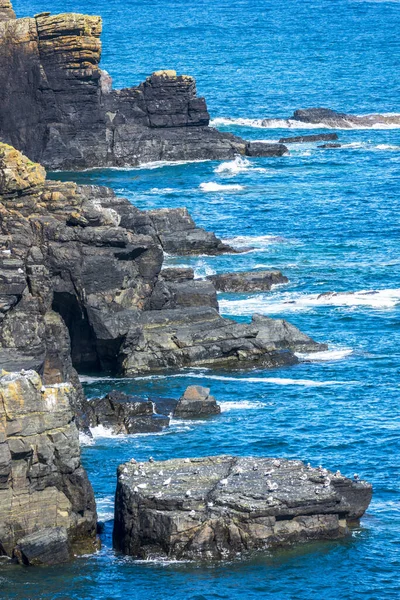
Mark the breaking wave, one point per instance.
(211, 186)
(379, 299)
(244, 405)
(253, 241)
(325, 355)
(237, 165)
(293, 124)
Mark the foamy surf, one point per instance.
(237, 165)
(273, 380)
(325, 355)
(211, 186)
(261, 303)
(105, 508)
(253, 241)
(293, 124)
(244, 405)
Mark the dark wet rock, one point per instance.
(196, 402)
(266, 149)
(247, 281)
(282, 334)
(125, 414)
(43, 486)
(318, 137)
(201, 337)
(58, 107)
(218, 507)
(182, 292)
(178, 233)
(45, 547)
(330, 146)
(176, 274)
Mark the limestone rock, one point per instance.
(218, 507)
(6, 10)
(247, 281)
(196, 402)
(42, 482)
(17, 173)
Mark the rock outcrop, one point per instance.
(221, 506)
(81, 287)
(47, 508)
(125, 414)
(247, 281)
(330, 118)
(259, 149)
(317, 137)
(196, 402)
(59, 108)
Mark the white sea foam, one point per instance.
(101, 432)
(211, 186)
(293, 124)
(90, 379)
(253, 241)
(325, 355)
(237, 165)
(105, 508)
(243, 405)
(85, 439)
(163, 191)
(261, 303)
(273, 380)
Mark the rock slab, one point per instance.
(247, 281)
(43, 486)
(221, 506)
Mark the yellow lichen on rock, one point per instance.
(17, 172)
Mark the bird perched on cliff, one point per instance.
(151, 459)
(224, 482)
(272, 485)
(276, 463)
(167, 481)
(327, 482)
(356, 477)
(303, 477)
(188, 493)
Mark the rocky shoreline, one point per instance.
(83, 288)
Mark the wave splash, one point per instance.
(211, 186)
(294, 124)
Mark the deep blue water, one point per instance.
(330, 221)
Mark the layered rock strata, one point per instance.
(221, 506)
(59, 107)
(247, 281)
(81, 287)
(47, 507)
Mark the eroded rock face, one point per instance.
(218, 507)
(196, 402)
(59, 108)
(43, 485)
(247, 281)
(81, 287)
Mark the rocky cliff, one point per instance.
(81, 286)
(221, 506)
(47, 508)
(59, 108)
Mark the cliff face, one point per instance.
(42, 483)
(6, 10)
(81, 286)
(59, 108)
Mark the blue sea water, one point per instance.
(329, 219)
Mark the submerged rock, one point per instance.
(331, 118)
(47, 507)
(218, 507)
(196, 402)
(317, 137)
(330, 146)
(265, 149)
(247, 281)
(125, 414)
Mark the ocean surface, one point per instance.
(329, 219)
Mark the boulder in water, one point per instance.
(220, 506)
(196, 402)
(247, 281)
